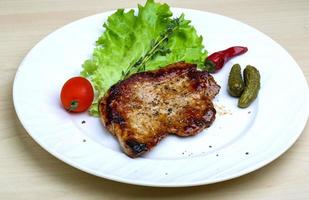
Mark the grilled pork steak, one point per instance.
(148, 106)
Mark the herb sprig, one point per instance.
(157, 46)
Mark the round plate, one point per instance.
(240, 140)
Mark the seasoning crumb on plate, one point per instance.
(222, 110)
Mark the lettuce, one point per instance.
(128, 38)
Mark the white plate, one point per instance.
(240, 140)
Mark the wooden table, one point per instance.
(29, 172)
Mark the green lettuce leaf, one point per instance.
(128, 37)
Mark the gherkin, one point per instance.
(235, 83)
(252, 81)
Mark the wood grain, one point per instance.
(29, 172)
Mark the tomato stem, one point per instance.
(73, 105)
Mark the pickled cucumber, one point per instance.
(252, 86)
(235, 83)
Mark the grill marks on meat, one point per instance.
(148, 106)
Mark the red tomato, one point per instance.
(77, 94)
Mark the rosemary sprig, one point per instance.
(158, 46)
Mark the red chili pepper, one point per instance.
(215, 61)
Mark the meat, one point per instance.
(148, 106)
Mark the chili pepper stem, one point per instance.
(210, 66)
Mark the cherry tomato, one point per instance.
(77, 94)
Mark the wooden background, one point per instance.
(29, 172)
